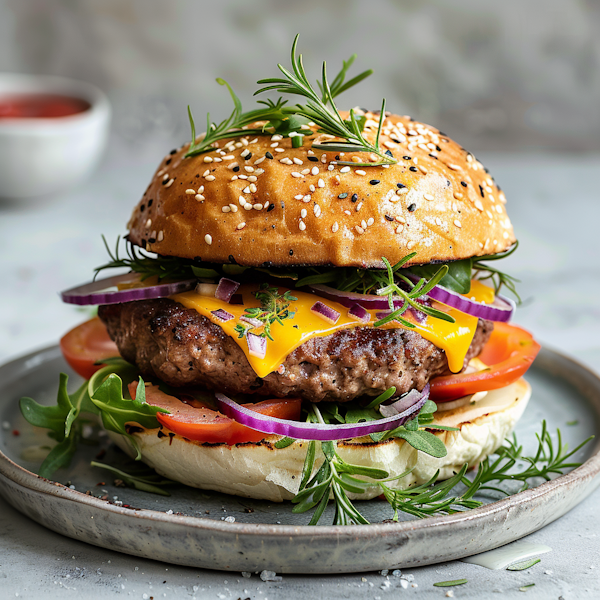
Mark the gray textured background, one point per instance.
(510, 75)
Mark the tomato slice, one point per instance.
(200, 423)
(86, 344)
(509, 353)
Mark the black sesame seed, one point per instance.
(151, 240)
(236, 169)
(269, 155)
(165, 181)
(463, 183)
(142, 208)
(291, 253)
(374, 181)
(389, 153)
(448, 183)
(395, 140)
(412, 208)
(271, 207)
(354, 197)
(342, 196)
(389, 218)
(168, 161)
(173, 151)
(486, 169)
(150, 202)
(438, 148)
(433, 156)
(313, 159)
(481, 191)
(232, 259)
(407, 157)
(337, 157)
(248, 156)
(267, 264)
(400, 185)
(442, 133)
(413, 169)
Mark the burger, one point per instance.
(309, 312)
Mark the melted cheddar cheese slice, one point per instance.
(453, 338)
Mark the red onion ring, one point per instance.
(95, 292)
(315, 431)
(348, 299)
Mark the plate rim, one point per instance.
(588, 470)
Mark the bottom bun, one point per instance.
(261, 471)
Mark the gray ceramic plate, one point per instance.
(188, 528)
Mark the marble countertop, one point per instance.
(54, 243)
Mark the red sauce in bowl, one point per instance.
(40, 106)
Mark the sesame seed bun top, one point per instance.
(257, 200)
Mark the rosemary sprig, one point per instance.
(321, 109)
(274, 309)
(433, 498)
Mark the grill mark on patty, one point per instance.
(183, 348)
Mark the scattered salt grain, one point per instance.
(246, 574)
(229, 519)
(270, 576)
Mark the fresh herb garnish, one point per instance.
(145, 480)
(527, 587)
(293, 121)
(451, 583)
(524, 564)
(274, 309)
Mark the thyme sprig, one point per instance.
(322, 110)
(274, 309)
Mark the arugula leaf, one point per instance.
(116, 411)
(60, 456)
(457, 279)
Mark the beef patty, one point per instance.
(183, 348)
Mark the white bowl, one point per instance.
(40, 156)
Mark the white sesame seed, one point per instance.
(455, 207)
(423, 169)
(190, 192)
(303, 213)
(242, 200)
(279, 149)
(252, 178)
(321, 183)
(298, 197)
(454, 167)
(358, 206)
(208, 239)
(286, 161)
(298, 161)
(161, 235)
(400, 219)
(317, 210)
(232, 165)
(345, 169)
(208, 159)
(347, 212)
(257, 206)
(314, 171)
(458, 195)
(241, 225)
(370, 221)
(296, 174)
(410, 245)
(276, 137)
(233, 208)
(169, 183)
(207, 172)
(399, 228)
(360, 172)
(259, 160)
(274, 145)
(238, 145)
(199, 197)
(359, 229)
(428, 196)
(246, 190)
(244, 152)
(210, 178)
(249, 169)
(323, 158)
(302, 226)
(266, 205)
(259, 171)
(165, 176)
(312, 188)
(242, 176)
(225, 209)
(335, 227)
(402, 191)
(306, 198)
(457, 223)
(363, 224)
(229, 157)
(248, 206)
(305, 171)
